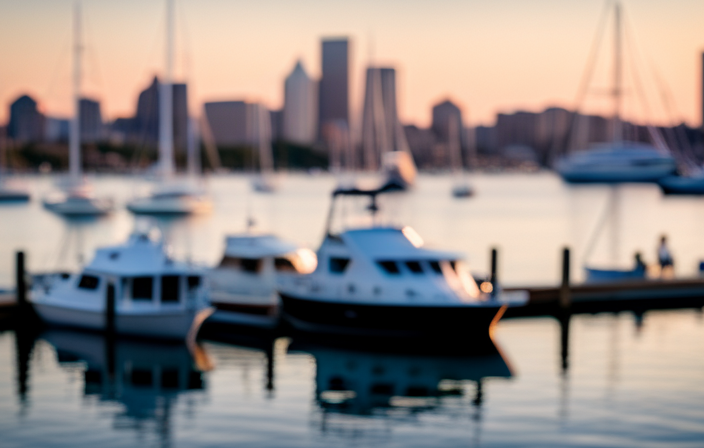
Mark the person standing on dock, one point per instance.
(665, 259)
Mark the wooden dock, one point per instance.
(634, 295)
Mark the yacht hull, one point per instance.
(682, 185)
(606, 175)
(332, 317)
(175, 325)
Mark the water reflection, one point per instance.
(146, 377)
(362, 393)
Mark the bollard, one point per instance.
(565, 296)
(20, 280)
(493, 278)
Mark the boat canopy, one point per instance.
(139, 256)
(390, 243)
(257, 246)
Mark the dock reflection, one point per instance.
(146, 377)
(383, 387)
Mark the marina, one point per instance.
(228, 236)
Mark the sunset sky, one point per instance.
(489, 56)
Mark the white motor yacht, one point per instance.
(243, 285)
(172, 199)
(134, 289)
(612, 163)
(381, 281)
(399, 169)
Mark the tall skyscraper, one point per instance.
(146, 121)
(334, 83)
(381, 131)
(300, 107)
(26, 122)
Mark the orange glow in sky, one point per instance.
(489, 56)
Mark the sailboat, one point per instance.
(78, 198)
(266, 181)
(170, 197)
(462, 188)
(619, 160)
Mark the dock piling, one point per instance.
(20, 280)
(493, 279)
(565, 295)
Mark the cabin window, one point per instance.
(389, 266)
(141, 377)
(142, 288)
(230, 262)
(169, 288)
(89, 282)
(284, 265)
(193, 282)
(251, 264)
(414, 266)
(338, 265)
(435, 266)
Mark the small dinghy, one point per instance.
(614, 275)
(133, 289)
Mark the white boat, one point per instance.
(77, 197)
(399, 169)
(617, 162)
(172, 199)
(78, 201)
(8, 194)
(171, 196)
(243, 285)
(133, 289)
(461, 187)
(381, 281)
(693, 184)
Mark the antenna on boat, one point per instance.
(166, 112)
(75, 134)
(618, 74)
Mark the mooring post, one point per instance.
(493, 267)
(20, 280)
(565, 296)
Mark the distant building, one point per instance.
(702, 92)
(485, 139)
(232, 123)
(277, 124)
(91, 123)
(300, 107)
(56, 129)
(146, 121)
(334, 82)
(26, 122)
(443, 114)
(421, 142)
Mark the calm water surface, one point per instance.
(625, 381)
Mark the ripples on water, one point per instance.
(625, 380)
(626, 384)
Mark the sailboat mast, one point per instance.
(74, 153)
(166, 110)
(618, 75)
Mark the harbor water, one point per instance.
(603, 380)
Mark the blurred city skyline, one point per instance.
(488, 57)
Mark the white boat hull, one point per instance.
(88, 207)
(176, 325)
(171, 206)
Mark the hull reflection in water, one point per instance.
(356, 382)
(147, 378)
